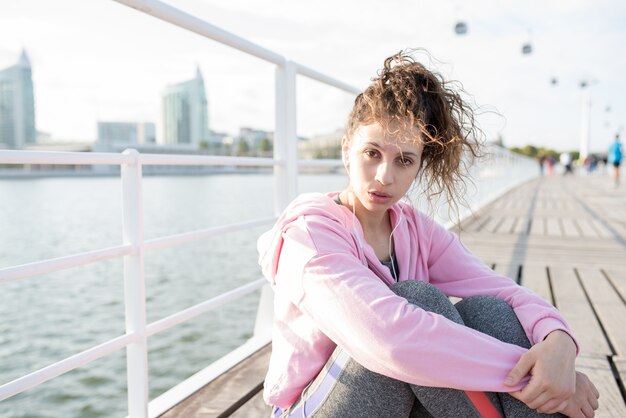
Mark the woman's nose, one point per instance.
(384, 174)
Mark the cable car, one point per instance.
(460, 28)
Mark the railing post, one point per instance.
(134, 288)
(285, 137)
(285, 175)
(265, 314)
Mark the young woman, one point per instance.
(363, 326)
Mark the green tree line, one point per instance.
(536, 152)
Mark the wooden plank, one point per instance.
(572, 302)
(521, 226)
(537, 226)
(225, 391)
(589, 244)
(618, 279)
(507, 225)
(586, 228)
(599, 371)
(602, 229)
(619, 227)
(569, 206)
(553, 228)
(492, 224)
(477, 222)
(536, 279)
(255, 407)
(499, 204)
(569, 228)
(620, 365)
(608, 305)
(524, 255)
(510, 270)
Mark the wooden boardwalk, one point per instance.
(562, 237)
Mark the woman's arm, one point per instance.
(458, 272)
(320, 273)
(554, 385)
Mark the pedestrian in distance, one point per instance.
(566, 161)
(541, 160)
(614, 158)
(363, 326)
(550, 164)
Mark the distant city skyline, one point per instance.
(106, 61)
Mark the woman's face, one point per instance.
(380, 166)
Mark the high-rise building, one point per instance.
(185, 113)
(125, 133)
(17, 105)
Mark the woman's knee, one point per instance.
(493, 316)
(427, 297)
(344, 388)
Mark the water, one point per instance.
(50, 317)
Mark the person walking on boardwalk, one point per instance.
(566, 161)
(614, 158)
(363, 326)
(541, 160)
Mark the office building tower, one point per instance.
(125, 133)
(185, 113)
(17, 105)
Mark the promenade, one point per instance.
(564, 237)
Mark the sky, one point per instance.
(101, 60)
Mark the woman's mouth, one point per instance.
(379, 197)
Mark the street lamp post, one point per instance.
(584, 121)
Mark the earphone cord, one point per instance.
(393, 263)
(356, 233)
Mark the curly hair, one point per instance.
(406, 94)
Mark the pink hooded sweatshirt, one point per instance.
(330, 289)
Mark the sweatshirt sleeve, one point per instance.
(458, 272)
(380, 330)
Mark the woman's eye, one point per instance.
(371, 153)
(405, 161)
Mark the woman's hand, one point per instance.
(553, 378)
(583, 403)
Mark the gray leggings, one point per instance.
(359, 392)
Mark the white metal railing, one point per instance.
(132, 250)
(134, 246)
